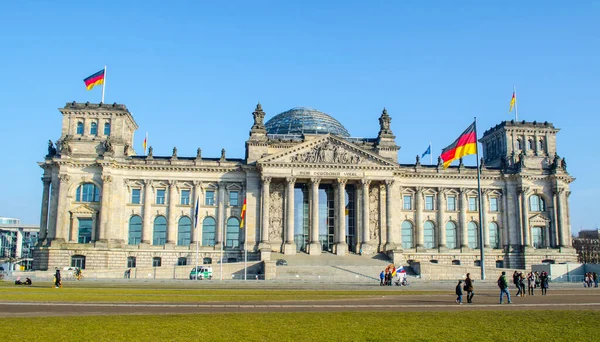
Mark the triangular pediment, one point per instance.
(328, 149)
(83, 210)
(538, 219)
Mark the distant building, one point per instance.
(589, 234)
(310, 188)
(16, 243)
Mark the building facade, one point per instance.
(310, 188)
(17, 242)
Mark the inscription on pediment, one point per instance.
(329, 153)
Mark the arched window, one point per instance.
(530, 145)
(537, 237)
(536, 203)
(94, 129)
(429, 234)
(519, 144)
(541, 145)
(78, 261)
(184, 232)
(208, 231)
(472, 235)
(494, 235)
(451, 235)
(232, 237)
(160, 231)
(407, 234)
(107, 128)
(87, 192)
(79, 127)
(135, 230)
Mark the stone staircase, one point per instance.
(351, 268)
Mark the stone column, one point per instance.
(196, 224)
(367, 246)
(462, 218)
(566, 225)
(341, 247)
(289, 246)
(104, 225)
(53, 209)
(62, 219)
(506, 224)
(484, 225)
(171, 219)
(389, 222)
(74, 230)
(525, 217)
(220, 215)
(314, 247)
(147, 220)
(420, 234)
(441, 196)
(563, 238)
(44, 214)
(265, 218)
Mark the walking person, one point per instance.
(522, 284)
(57, 279)
(544, 282)
(469, 288)
(381, 277)
(459, 292)
(503, 285)
(595, 278)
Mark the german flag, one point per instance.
(465, 144)
(95, 79)
(243, 215)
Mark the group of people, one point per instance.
(589, 279)
(533, 280)
(468, 288)
(386, 277)
(18, 281)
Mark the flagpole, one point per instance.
(196, 235)
(481, 252)
(430, 154)
(516, 105)
(245, 249)
(103, 84)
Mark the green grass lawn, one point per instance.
(84, 293)
(360, 326)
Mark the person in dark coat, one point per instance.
(469, 288)
(503, 285)
(544, 282)
(459, 292)
(57, 279)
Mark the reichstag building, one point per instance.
(310, 188)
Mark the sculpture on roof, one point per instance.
(51, 149)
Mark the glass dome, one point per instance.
(301, 120)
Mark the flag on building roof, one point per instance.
(465, 144)
(428, 151)
(512, 101)
(94, 80)
(145, 142)
(243, 214)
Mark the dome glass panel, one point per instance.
(303, 120)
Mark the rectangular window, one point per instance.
(160, 196)
(209, 198)
(185, 197)
(494, 204)
(131, 261)
(233, 198)
(472, 203)
(85, 230)
(156, 262)
(407, 204)
(451, 204)
(135, 196)
(428, 202)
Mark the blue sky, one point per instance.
(192, 72)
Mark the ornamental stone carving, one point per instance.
(329, 153)
(64, 178)
(374, 226)
(276, 212)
